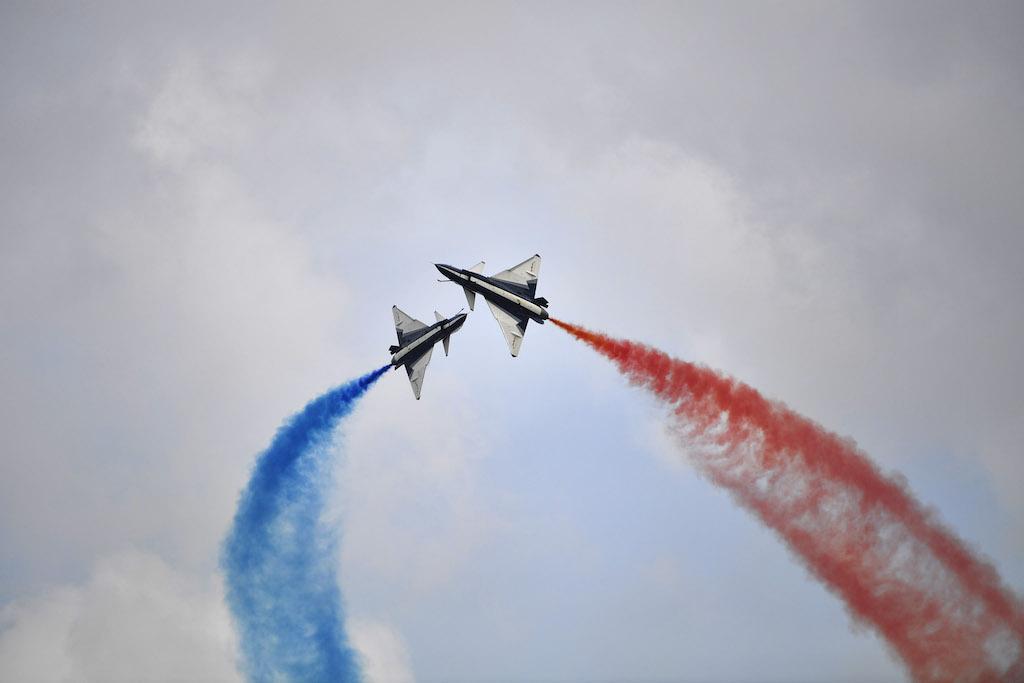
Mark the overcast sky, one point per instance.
(206, 214)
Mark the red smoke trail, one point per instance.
(942, 609)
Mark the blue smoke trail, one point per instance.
(278, 559)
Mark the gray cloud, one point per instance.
(206, 213)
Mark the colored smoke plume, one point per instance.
(944, 611)
(279, 561)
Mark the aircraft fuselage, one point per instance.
(501, 294)
(425, 340)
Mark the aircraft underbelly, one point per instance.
(505, 300)
(416, 349)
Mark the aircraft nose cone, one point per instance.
(459, 319)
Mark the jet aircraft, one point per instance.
(416, 343)
(510, 294)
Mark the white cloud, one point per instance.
(137, 619)
(148, 301)
(383, 653)
(35, 635)
(201, 112)
(134, 619)
(413, 510)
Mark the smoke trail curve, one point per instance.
(943, 610)
(279, 561)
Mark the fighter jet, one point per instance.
(416, 343)
(511, 295)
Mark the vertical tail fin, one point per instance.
(470, 297)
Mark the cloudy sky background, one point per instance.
(206, 214)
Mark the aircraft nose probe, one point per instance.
(445, 270)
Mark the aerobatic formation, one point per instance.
(940, 607)
(510, 294)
